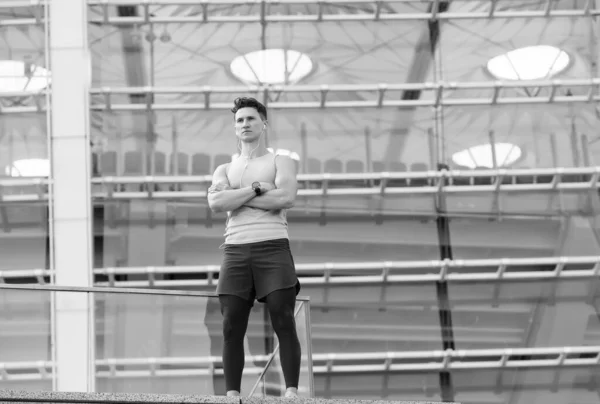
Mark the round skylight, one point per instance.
(29, 168)
(271, 66)
(21, 76)
(529, 63)
(481, 156)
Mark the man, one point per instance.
(256, 189)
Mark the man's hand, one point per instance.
(218, 187)
(266, 186)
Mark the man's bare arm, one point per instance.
(284, 196)
(221, 198)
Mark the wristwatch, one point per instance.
(256, 188)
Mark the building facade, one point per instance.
(447, 224)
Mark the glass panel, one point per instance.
(188, 233)
(374, 318)
(532, 205)
(144, 343)
(184, 354)
(272, 382)
(344, 52)
(502, 386)
(539, 135)
(25, 246)
(331, 140)
(25, 340)
(415, 386)
(500, 35)
(484, 6)
(536, 237)
(524, 386)
(343, 140)
(24, 77)
(525, 314)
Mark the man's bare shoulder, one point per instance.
(285, 163)
(222, 169)
(220, 174)
(282, 159)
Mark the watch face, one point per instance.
(256, 185)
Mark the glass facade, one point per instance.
(24, 144)
(447, 223)
(160, 342)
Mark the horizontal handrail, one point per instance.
(333, 184)
(557, 173)
(499, 269)
(106, 290)
(369, 10)
(329, 363)
(371, 95)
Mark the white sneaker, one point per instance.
(233, 393)
(291, 392)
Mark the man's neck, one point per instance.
(253, 150)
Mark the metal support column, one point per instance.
(445, 312)
(71, 193)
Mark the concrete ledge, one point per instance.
(276, 400)
(14, 396)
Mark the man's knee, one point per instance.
(235, 317)
(233, 330)
(283, 321)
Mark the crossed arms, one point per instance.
(281, 195)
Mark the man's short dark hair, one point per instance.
(249, 102)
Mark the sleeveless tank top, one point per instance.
(250, 225)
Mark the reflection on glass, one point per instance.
(531, 206)
(190, 139)
(24, 245)
(525, 386)
(24, 75)
(546, 136)
(539, 235)
(554, 386)
(386, 326)
(167, 233)
(182, 354)
(171, 51)
(271, 381)
(410, 386)
(25, 333)
(525, 314)
(343, 140)
(144, 343)
(502, 35)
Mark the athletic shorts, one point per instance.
(253, 270)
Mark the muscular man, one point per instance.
(256, 189)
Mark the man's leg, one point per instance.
(280, 304)
(235, 312)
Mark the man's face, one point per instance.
(248, 124)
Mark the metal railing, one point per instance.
(557, 358)
(370, 272)
(44, 369)
(322, 11)
(434, 94)
(378, 95)
(330, 184)
(316, 11)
